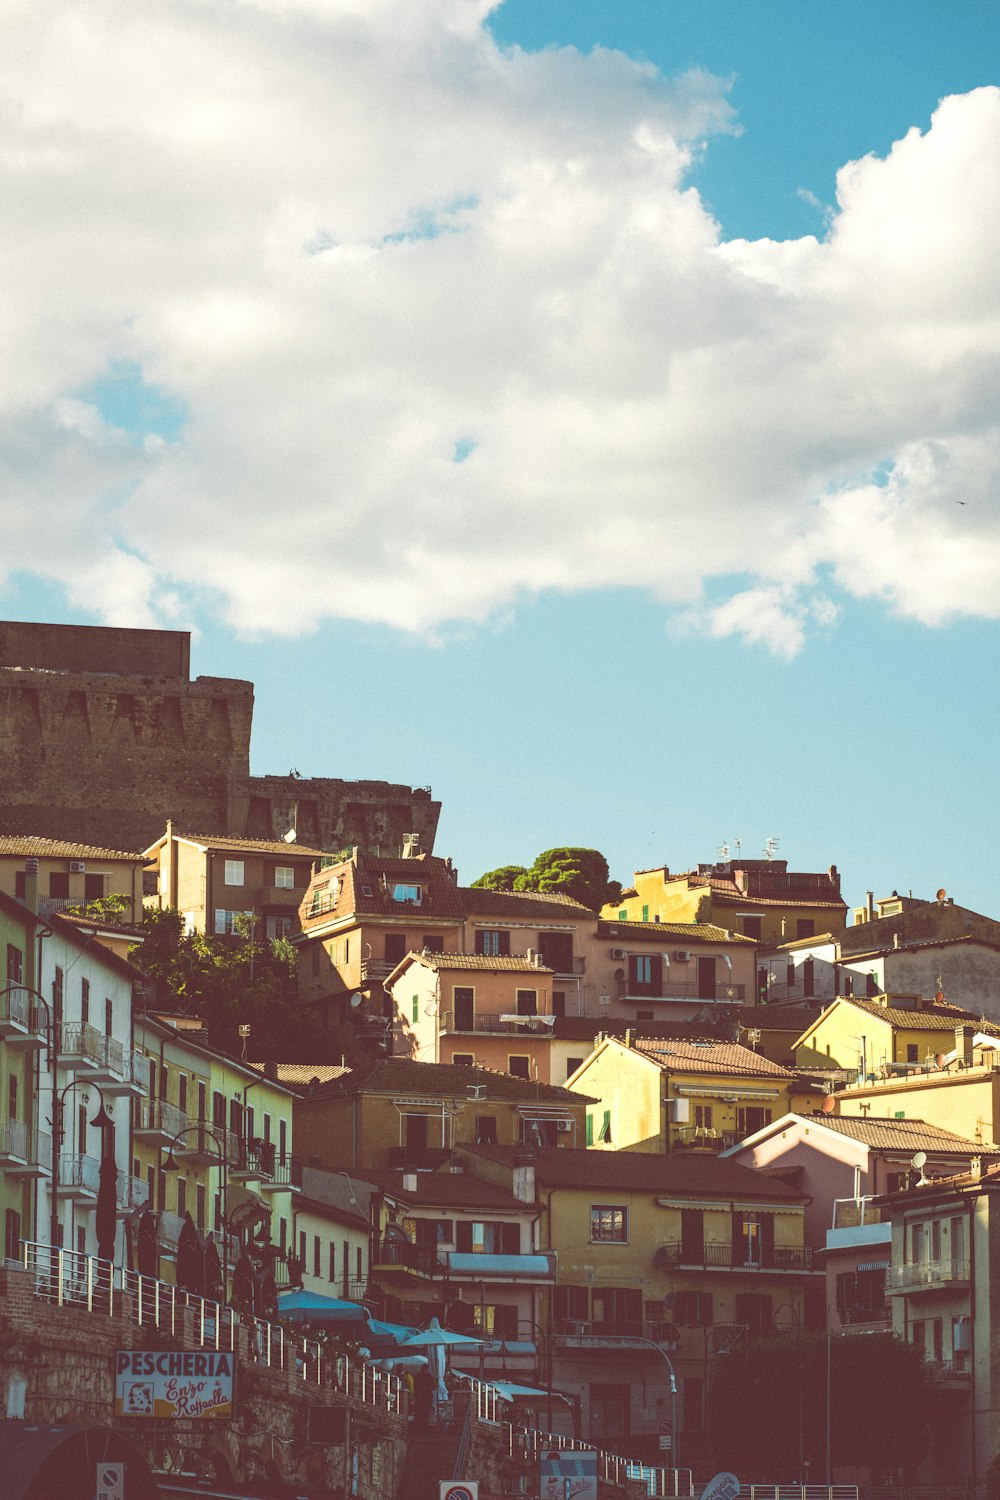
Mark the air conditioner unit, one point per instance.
(679, 1111)
(575, 1326)
(563, 1127)
(77, 867)
(618, 953)
(681, 956)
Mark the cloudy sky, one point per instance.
(594, 415)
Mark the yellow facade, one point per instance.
(661, 1102)
(878, 1037)
(966, 1102)
(192, 1087)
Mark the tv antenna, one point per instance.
(771, 848)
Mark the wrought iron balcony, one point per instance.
(421, 1260)
(723, 1255)
(24, 1152)
(157, 1121)
(22, 1020)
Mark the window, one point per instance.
(394, 948)
(486, 1130)
(753, 927)
(570, 1303)
(487, 1237)
(492, 941)
(432, 942)
(332, 1263)
(693, 1309)
(181, 1196)
(861, 1296)
(519, 1066)
(589, 1137)
(463, 1059)
(912, 1052)
(15, 964)
(572, 1063)
(284, 877)
(703, 1116)
(20, 884)
(59, 885)
(496, 1321)
(12, 1235)
(604, 1134)
(199, 1198)
(645, 913)
(317, 1262)
(234, 872)
(404, 893)
(556, 949)
(644, 970)
(608, 1224)
(12, 1096)
(302, 1247)
(751, 1117)
(93, 887)
(415, 1009)
(225, 921)
(754, 1309)
(109, 1019)
(57, 987)
(805, 927)
(623, 914)
(527, 1002)
(558, 1002)
(692, 1237)
(85, 1001)
(618, 1310)
(277, 928)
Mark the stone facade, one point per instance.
(103, 736)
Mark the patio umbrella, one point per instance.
(147, 1256)
(311, 1307)
(106, 1213)
(189, 1258)
(244, 1294)
(437, 1341)
(215, 1289)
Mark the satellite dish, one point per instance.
(941, 894)
(357, 1000)
(919, 1160)
(829, 1104)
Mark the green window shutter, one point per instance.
(623, 914)
(416, 1007)
(645, 913)
(590, 1130)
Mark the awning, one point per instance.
(463, 1263)
(874, 1265)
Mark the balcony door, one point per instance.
(706, 979)
(465, 1009)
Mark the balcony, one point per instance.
(168, 1231)
(130, 1193)
(539, 1025)
(264, 897)
(79, 1177)
(203, 1145)
(416, 1260)
(156, 1122)
(684, 989)
(603, 1336)
(852, 1213)
(927, 1276)
(24, 1152)
(284, 1175)
(701, 1138)
(374, 970)
(721, 1255)
(111, 1063)
(954, 1372)
(22, 1021)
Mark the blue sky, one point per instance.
(579, 698)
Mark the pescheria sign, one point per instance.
(174, 1383)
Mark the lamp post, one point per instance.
(652, 1344)
(221, 1159)
(101, 1119)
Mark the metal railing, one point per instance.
(131, 1192)
(701, 1137)
(425, 1259)
(67, 1278)
(365, 1382)
(681, 989)
(948, 1369)
(722, 1253)
(622, 1328)
(525, 1442)
(79, 1171)
(852, 1213)
(286, 1171)
(927, 1273)
(530, 1025)
(158, 1114)
(19, 1140)
(18, 1007)
(798, 1492)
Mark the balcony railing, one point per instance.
(158, 1116)
(21, 1146)
(376, 968)
(283, 1172)
(721, 1254)
(425, 1260)
(852, 1213)
(940, 1370)
(79, 1173)
(131, 1192)
(104, 1057)
(616, 1331)
(20, 1015)
(927, 1275)
(701, 1138)
(536, 1025)
(683, 989)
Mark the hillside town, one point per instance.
(327, 1171)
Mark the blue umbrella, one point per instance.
(310, 1307)
(395, 1331)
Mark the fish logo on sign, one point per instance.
(110, 1481)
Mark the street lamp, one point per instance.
(221, 1159)
(101, 1119)
(651, 1343)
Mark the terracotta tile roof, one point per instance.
(644, 1172)
(250, 846)
(401, 1075)
(442, 1189)
(934, 1018)
(498, 963)
(301, 1075)
(29, 846)
(902, 1135)
(547, 906)
(672, 932)
(781, 1016)
(726, 1058)
(856, 955)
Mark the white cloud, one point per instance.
(355, 239)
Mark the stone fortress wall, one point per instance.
(103, 736)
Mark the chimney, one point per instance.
(270, 1072)
(523, 1178)
(409, 1182)
(870, 905)
(834, 875)
(963, 1044)
(895, 940)
(31, 884)
(629, 1038)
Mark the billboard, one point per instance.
(567, 1473)
(175, 1383)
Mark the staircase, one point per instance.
(432, 1455)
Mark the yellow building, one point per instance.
(760, 898)
(220, 1122)
(690, 1254)
(71, 874)
(886, 1035)
(395, 1112)
(657, 1094)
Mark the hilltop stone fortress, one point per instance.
(103, 736)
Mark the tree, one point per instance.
(565, 871)
(767, 1405)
